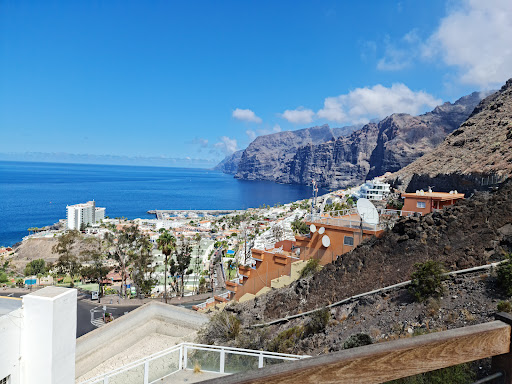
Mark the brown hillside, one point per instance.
(481, 146)
(474, 232)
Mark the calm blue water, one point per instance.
(36, 194)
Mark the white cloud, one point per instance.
(363, 104)
(276, 128)
(300, 115)
(252, 135)
(400, 55)
(203, 143)
(246, 115)
(226, 145)
(476, 37)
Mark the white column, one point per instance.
(49, 336)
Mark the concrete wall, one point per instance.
(97, 346)
(10, 351)
(48, 337)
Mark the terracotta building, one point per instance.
(427, 202)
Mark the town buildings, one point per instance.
(80, 215)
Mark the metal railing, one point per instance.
(190, 356)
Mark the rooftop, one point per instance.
(435, 195)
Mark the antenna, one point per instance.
(326, 241)
(321, 230)
(312, 228)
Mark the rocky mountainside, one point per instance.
(264, 157)
(473, 232)
(480, 148)
(230, 163)
(337, 161)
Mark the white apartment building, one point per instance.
(374, 190)
(86, 214)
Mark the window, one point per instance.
(348, 240)
(6, 380)
(421, 204)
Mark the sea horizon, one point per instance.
(35, 194)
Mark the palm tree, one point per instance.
(166, 243)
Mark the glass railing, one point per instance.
(192, 357)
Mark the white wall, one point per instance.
(49, 336)
(10, 335)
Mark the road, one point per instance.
(83, 312)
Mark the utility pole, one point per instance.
(315, 194)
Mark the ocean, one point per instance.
(36, 194)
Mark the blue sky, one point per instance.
(194, 80)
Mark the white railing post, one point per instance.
(146, 372)
(180, 361)
(260, 361)
(222, 360)
(185, 352)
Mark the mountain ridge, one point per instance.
(337, 160)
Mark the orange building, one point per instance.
(333, 236)
(427, 202)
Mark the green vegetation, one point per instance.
(505, 306)
(180, 263)
(227, 325)
(312, 267)
(458, 374)
(317, 321)
(427, 281)
(300, 227)
(68, 261)
(166, 243)
(3, 277)
(504, 276)
(395, 204)
(286, 340)
(35, 267)
(357, 340)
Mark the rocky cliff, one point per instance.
(230, 163)
(265, 157)
(339, 157)
(479, 152)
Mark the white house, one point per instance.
(374, 190)
(83, 214)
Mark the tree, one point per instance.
(68, 262)
(166, 243)
(121, 244)
(278, 233)
(300, 227)
(181, 262)
(197, 266)
(95, 255)
(35, 267)
(142, 266)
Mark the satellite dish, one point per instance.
(326, 241)
(367, 211)
(312, 228)
(321, 230)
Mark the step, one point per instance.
(281, 282)
(246, 297)
(263, 290)
(220, 299)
